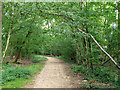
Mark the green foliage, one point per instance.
(94, 86)
(101, 74)
(46, 28)
(38, 58)
(11, 73)
(20, 82)
(43, 59)
(5, 63)
(35, 61)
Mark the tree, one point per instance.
(1, 8)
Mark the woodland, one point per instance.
(85, 34)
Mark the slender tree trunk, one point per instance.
(6, 45)
(8, 39)
(84, 46)
(1, 9)
(90, 55)
(12, 51)
(101, 48)
(78, 52)
(116, 55)
(118, 35)
(18, 54)
(48, 23)
(19, 51)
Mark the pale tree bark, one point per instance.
(1, 9)
(101, 48)
(6, 45)
(8, 39)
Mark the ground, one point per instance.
(55, 74)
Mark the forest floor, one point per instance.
(55, 74)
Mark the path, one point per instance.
(55, 74)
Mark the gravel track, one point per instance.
(55, 74)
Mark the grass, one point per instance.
(18, 83)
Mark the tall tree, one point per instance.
(1, 9)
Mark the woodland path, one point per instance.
(55, 74)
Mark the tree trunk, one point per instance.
(90, 55)
(1, 9)
(6, 45)
(9, 35)
(18, 54)
(118, 35)
(12, 51)
(101, 48)
(78, 52)
(85, 48)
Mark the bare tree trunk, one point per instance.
(18, 54)
(1, 9)
(9, 35)
(78, 53)
(90, 55)
(12, 51)
(6, 45)
(84, 46)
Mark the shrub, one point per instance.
(11, 73)
(35, 61)
(38, 58)
(43, 59)
(102, 74)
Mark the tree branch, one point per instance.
(101, 48)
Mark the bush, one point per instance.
(35, 61)
(101, 74)
(11, 73)
(43, 59)
(38, 58)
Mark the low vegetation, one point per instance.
(100, 75)
(38, 59)
(16, 77)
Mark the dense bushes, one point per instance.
(101, 74)
(11, 73)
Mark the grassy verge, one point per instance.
(20, 82)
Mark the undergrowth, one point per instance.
(38, 58)
(16, 77)
(100, 74)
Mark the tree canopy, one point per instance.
(86, 33)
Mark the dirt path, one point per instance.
(55, 74)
